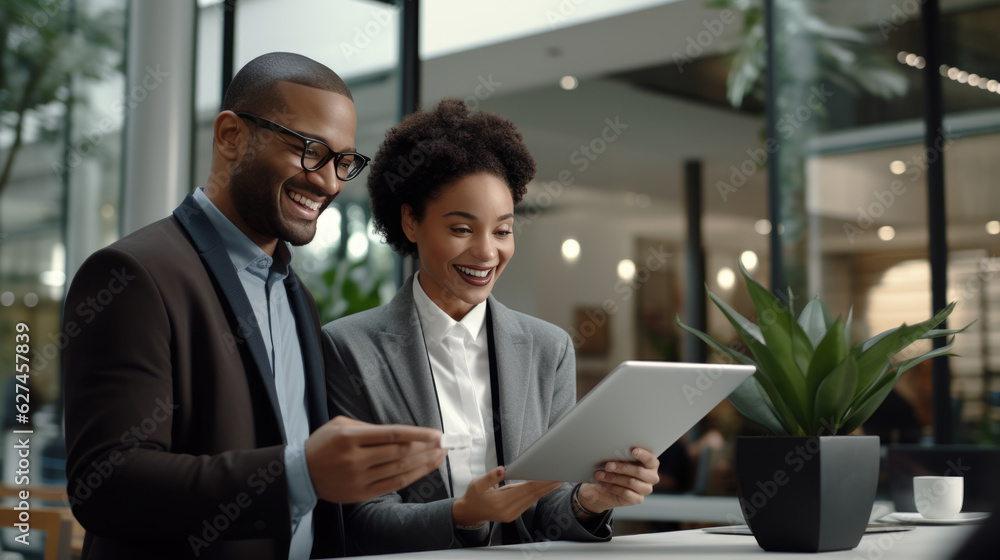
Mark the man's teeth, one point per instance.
(474, 272)
(304, 201)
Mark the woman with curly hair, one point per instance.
(446, 354)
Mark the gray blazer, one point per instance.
(377, 370)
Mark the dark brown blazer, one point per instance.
(175, 444)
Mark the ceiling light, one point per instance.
(626, 269)
(886, 233)
(897, 167)
(568, 82)
(571, 250)
(726, 278)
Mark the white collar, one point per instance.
(437, 324)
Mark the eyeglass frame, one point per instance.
(333, 155)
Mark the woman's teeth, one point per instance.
(474, 272)
(303, 200)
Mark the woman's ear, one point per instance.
(410, 222)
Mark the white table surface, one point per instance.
(684, 507)
(922, 543)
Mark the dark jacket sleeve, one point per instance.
(122, 402)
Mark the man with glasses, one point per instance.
(196, 410)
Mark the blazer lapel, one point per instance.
(513, 350)
(403, 344)
(307, 327)
(243, 321)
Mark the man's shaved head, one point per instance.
(254, 90)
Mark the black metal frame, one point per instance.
(937, 224)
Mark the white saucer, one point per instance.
(917, 519)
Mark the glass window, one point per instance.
(62, 110)
(853, 181)
(971, 91)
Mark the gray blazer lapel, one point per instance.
(513, 350)
(403, 344)
(220, 267)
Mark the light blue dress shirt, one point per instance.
(263, 280)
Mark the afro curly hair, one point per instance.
(428, 150)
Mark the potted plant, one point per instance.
(811, 488)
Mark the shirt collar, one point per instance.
(437, 324)
(244, 253)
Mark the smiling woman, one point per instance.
(464, 241)
(443, 187)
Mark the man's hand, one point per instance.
(350, 461)
(621, 483)
(482, 502)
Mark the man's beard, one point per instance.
(259, 205)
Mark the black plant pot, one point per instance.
(807, 494)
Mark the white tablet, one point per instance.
(639, 404)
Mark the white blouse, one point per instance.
(459, 357)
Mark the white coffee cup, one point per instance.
(938, 497)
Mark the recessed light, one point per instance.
(726, 278)
(571, 250)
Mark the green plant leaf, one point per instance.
(330, 276)
(778, 406)
(813, 320)
(868, 402)
(910, 363)
(934, 333)
(873, 357)
(784, 358)
(834, 396)
(751, 401)
(351, 291)
(741, 323)
(829, 355)
(782, 333)
(717, 346)
(847, 325)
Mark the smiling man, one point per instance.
(196, 410)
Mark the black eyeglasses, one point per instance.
(315, 153)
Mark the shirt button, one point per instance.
(262, 263)
(259, 525)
